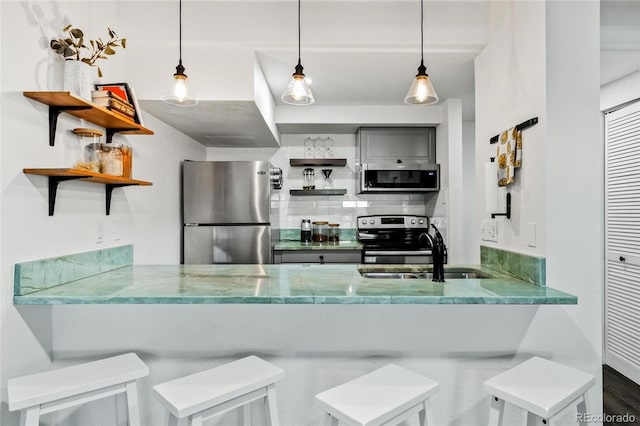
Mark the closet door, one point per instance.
(622, 297)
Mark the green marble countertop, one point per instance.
(284, 245)
(286, 284)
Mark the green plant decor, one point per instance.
(72, 46)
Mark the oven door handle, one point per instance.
(398, 253)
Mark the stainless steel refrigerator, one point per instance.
(225, 208)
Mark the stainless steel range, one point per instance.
(401, 239)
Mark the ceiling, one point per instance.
(357, 52)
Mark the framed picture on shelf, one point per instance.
(125, 93)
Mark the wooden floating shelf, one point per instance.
(66, 102)
(60, 175)
(317, 191)
(318, 162)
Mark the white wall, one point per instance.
(510, 75)
(470, 211)
(148, 217)
(621, 91)
(552, 53)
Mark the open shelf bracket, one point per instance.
(111, 132)
(53, 189)
(108, 191)
(54, 112)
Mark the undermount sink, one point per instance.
(424, 275)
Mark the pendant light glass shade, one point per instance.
(298, 91)
(179, 93)
(421, 91)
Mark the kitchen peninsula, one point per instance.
(124, 283)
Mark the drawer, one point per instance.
(318, 256)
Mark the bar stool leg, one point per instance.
(196, 420)
(426, 416)
(174, 421)
(30, 416)
(329, 420)
(496, 411)
(533, 420)
(272, 406)
(133, 409)
(244, 415)
(583, 409)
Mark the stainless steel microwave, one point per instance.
(399, 177)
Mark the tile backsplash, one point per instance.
(526, 267)
(287, 210)
(36, 275)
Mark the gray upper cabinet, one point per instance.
(388, 144)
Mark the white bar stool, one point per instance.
(386, 396)
(200, 396)
(55, 390)
(541, 387)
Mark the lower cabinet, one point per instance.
(317, 256)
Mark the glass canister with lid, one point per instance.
(127, 160)
(334, 232)
(87, 149)
(320, 232)
(111, 159)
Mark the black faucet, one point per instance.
(439, 253)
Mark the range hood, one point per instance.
(235, 107)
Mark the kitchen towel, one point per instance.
(509, 155)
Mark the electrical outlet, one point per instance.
(531, 234)
(489, 230)
(99, 232)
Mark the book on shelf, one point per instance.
(122, 115)
(116, 105)
(106, 94)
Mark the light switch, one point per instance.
(531, 234)
(489, 230)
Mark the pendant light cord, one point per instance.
(422, 32)
(180, 32)
(298, 32)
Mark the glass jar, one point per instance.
(308, 179)
(127, 160)
(305, 231)
(319, 148)
(309, 148)
(111, 159)
(87, 149)
(334, 232)
(320, 232)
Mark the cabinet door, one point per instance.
(320, 256)
(622, 321)
(392, 144)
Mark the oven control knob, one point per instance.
(413, 221)
(364, 221)
(421, 221)
(372, 221)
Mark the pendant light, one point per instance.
(421, 91)
(180, 94)
(298, 91)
